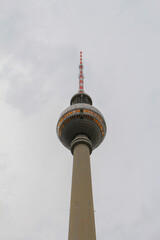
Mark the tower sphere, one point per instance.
(81, 118)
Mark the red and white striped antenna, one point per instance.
(81, 76)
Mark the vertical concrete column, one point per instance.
(81, 224)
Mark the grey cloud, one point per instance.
(32, 75)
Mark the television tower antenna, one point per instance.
(81, 128)
(81, 76)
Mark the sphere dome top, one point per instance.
(81, 98)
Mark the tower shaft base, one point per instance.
(82, 224)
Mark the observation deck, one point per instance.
(81, 118)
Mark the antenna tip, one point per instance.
(80, 57)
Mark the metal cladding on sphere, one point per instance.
(81, 118)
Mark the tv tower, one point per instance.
(81, 128)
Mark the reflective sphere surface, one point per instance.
(81, 118)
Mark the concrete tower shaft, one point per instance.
(82, 224)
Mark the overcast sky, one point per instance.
(40, 43)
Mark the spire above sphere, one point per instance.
(81, 97)
(81, 76)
